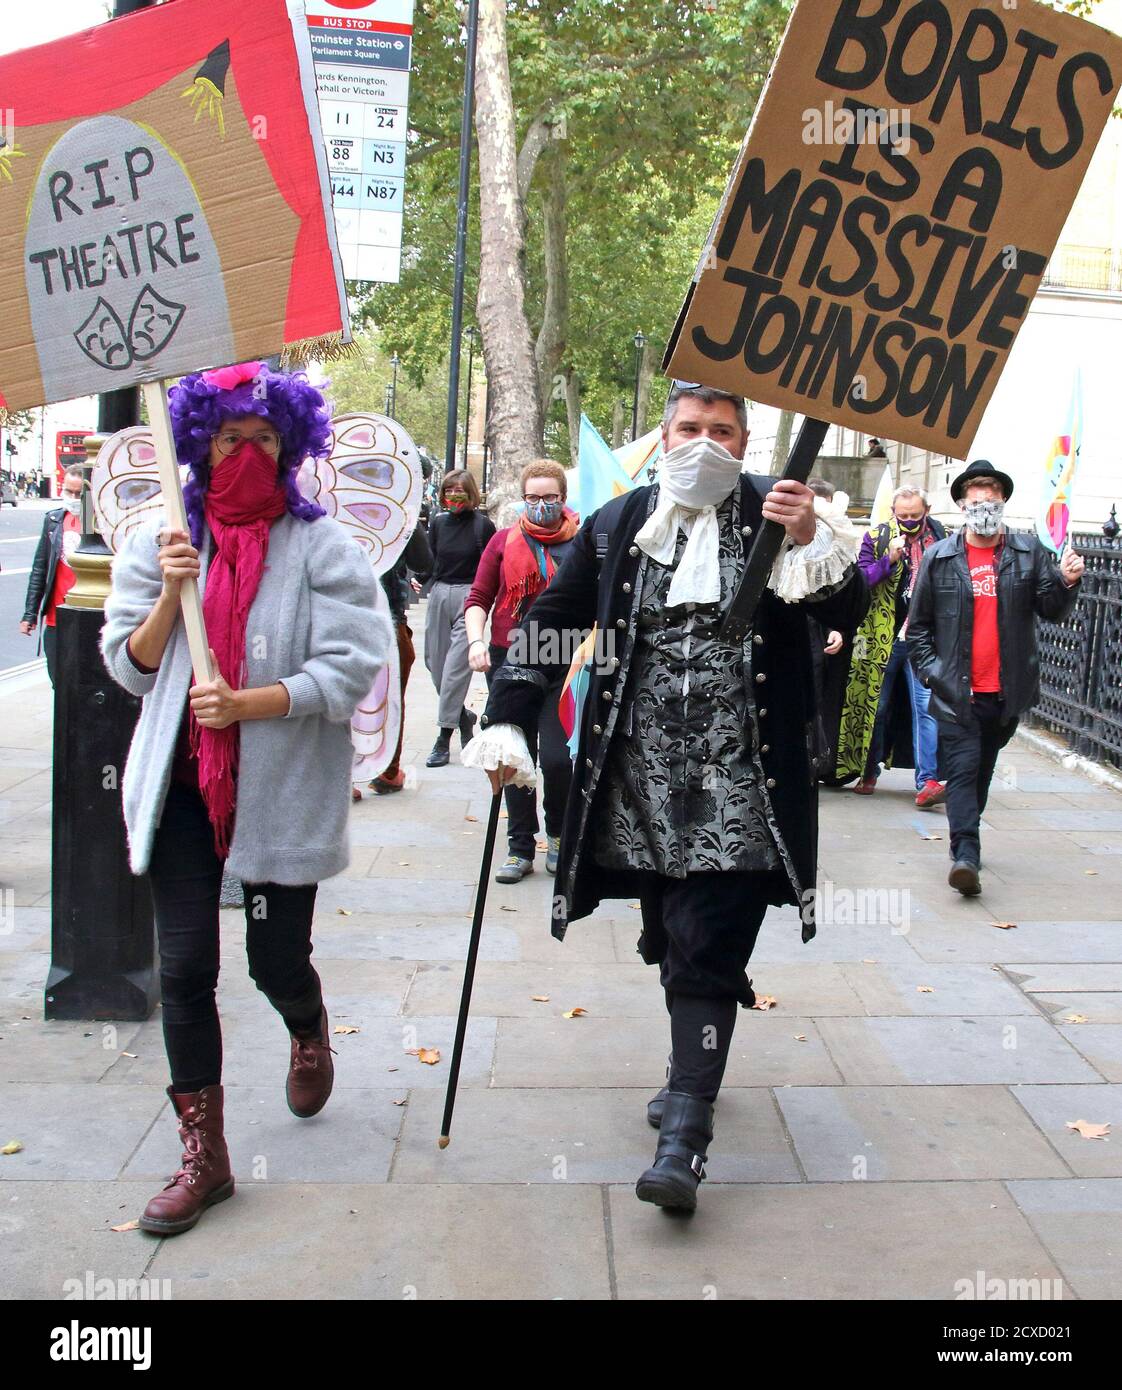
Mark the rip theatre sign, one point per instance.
(166, 207)
(891, 213)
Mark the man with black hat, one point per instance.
(972, 642)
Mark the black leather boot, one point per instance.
(654, 1106)
(467, 726)
(441, 750)
(679, 1164)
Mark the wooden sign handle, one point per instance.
(159, 419)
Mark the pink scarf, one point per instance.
(243, 498)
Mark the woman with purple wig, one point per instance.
(252, 768)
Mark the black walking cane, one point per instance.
(734, 629)
(469, 967)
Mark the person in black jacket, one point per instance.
(694, 787)
(51, 577)
(457, 537)
(972, 642)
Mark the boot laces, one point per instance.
(307, 1053)
(194, 1154)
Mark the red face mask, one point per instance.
(245, 487)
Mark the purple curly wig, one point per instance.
(202, 401)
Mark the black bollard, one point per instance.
(103, 957)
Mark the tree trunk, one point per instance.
(508, 345)
(782, 450)
(619, 424)
(553, 337)
(572, 410)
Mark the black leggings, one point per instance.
(549, 749)
(186, 878)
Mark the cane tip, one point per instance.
(443, 1141)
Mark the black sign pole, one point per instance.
(738, 620)
(461, 237)
(103, 955)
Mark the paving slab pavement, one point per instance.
(896, 1124)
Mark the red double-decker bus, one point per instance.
(70, 447)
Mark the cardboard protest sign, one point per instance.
(164, 200)
(892, 211)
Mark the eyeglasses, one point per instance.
(550, 497)
(229, 441)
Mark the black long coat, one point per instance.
(597, 583)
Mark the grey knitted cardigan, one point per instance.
(320, 625)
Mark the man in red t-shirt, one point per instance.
(51, 577)
(972, 642)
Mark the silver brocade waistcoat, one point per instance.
(683, 791)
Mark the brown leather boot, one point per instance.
(311, 1072)
(204, 1177)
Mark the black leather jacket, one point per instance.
(41, 583)
(941, 622)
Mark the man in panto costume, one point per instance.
(693, 788)
(885, 714)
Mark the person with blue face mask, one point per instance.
(694, 788)
(518, 564)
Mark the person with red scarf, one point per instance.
(518, 563)
(250, 768)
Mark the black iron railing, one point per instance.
(1081, 659)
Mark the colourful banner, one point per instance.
(1054, 517)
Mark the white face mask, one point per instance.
(73, 505)
(984, 518)
(699, 474)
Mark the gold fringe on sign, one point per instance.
(329, 348)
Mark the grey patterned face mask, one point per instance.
(984, 518)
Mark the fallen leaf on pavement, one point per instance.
(403, 863)
(391, 1069)
(800, 1037)
(344, 911)
(635, 907)
(129, 1054)
(399, 1102)
(344, 1028)
(868, 961)
(931, 837)
(472, 818)
(925, 989)
(575, 1013)
(429, 1055)
(128, 1226)
(504, 908)
(765, 1002)
(540, 998)
(1091, 873)
(1005, 926)
(1077, 1018)
(14, 1147)
(1087, 1130)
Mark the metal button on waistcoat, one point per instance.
(621, 622)
(634, 550)
(596, 729)
(761, 678)
(615, 660)
(759, 641)
(607, 695)
(765, 747)
(588, 762)
(627, 588)
(770, 783)
(746, 530)
(763, 714)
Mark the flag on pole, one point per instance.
(882, 502)
(1054, 517)
(574, 691)
(600, 474)
(641, 455)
